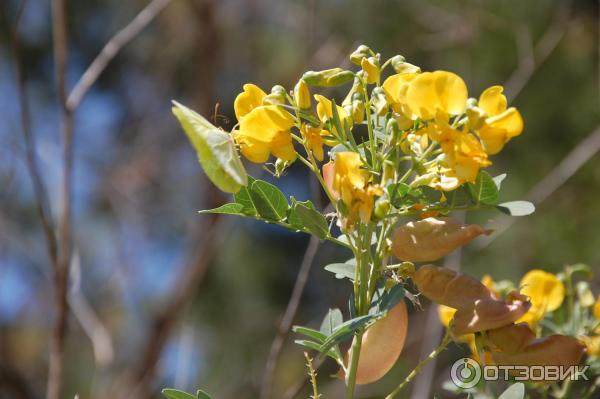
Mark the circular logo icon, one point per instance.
(465, 373)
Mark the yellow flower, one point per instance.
(246, 101)
(314, 140)
(592, 344)
(545, 291)
(436, 95)
(395, 88)
(350, 183)
(371, 70)
(597, 308)
(325, 112)
(266, 130)
(501, 124)
(464, 156)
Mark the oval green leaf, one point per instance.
(215, 149)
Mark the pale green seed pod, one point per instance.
(328, 77)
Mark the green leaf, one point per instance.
(177, 394)
(342, 270)
(200, 394)
(458, 197)
(332, 319)
(243, 197)
(391, 298)
(227, 209)
(345, 330)
(304, 216)
(484, 190)
(309, 332)
(515, 391)
(396, 192)
(517, 208)
(315, 346)
(270, 203)
(215, 149)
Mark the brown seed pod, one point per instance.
(510, 339)
(447, 287)
(382, 344)
(554, 350)
(488, 314)
(431, 239)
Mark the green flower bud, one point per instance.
(361, 52)
(379, 100)
(328, 77)
(401, 66)
(382, 207)
(277, 96)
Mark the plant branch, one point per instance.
(111, 49)
(288, 317)
(445, 341)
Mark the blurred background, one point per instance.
(162, 296)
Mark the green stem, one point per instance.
(351, 375)
(445, 341)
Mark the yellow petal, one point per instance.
(325, 112)
(597, 308)
(492, 101)
(263, 123)
(544, 289)
(445, 313)
(250, 98)
(499, 129)
(370, 69)
(431, 92)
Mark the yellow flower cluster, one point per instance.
(426, 115)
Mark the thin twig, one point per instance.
(140, 381)
(61, 271)
(111, 49)
(579, 156)
(539, 53)
(288, 317)
(40, 193)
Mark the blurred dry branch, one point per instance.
(533, 56)
(288, 317)
(579, 156)
(61, 270)
(112, 48)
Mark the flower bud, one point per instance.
(371, 68)
(449, 288)
(401, 66)
(554, 350)
(476, 117)
(361, 52)
(276, 97)
(430, 239)
(328, 77)
(487, 314)
(382, 344)
(379, 101)
(302, 95)
(382, 207)
(357, 109)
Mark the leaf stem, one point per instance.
(445, 341)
